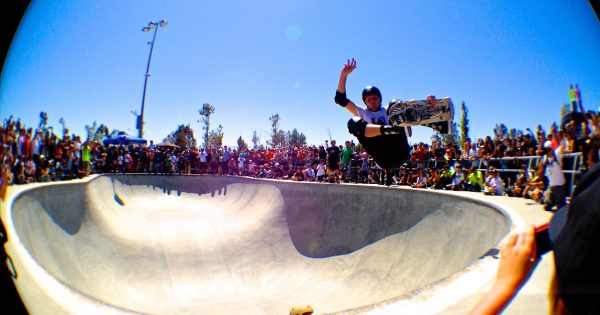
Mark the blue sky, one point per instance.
(510, 61)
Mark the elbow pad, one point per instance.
(341, 99)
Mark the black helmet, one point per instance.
(370, 90)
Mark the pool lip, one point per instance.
(38, 287)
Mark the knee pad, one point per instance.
(357, 126)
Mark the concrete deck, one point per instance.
(223, 245)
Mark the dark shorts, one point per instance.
(388, 151)
(333, 165)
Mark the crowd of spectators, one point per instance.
(493, 165)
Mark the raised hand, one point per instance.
(349, 67)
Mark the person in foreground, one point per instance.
(387, 145)
(574, 233)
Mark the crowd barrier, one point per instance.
(509, 167)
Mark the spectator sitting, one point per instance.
(30, 170)
(309, 173)
(19, 173)
(412, 178)
(519, 186)
(263, 172)
(404, 174)
(445, 176)
(433, 180)
(534, 188)
(458, 177)
(43, 169)
(321, 170)
(420, 180)
(474, 180)
(277, 171)
(493, 184)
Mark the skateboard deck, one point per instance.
(431, 112)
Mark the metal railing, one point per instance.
(572, 164)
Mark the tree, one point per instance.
(215, 137)
(43, 122)
(205, 113)
(101, 133)
(500, 130)
(277, 136)
(564, 109)
(242, 145)
(64, 125)
(451, 136)
(295, 138)
(464, 123)
(255, 140)
(183, 137)
(91, 129)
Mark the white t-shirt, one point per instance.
(474, 153)
(497, 183)
(310, 172)
(379, 118)
(554, 171)
(321, 170)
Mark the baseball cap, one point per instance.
(575, 234)
(548, 145)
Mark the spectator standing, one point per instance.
(572, 98)
(203, 161)
(333, 156)
(241, 165)
(86, 152)
(553, 170)
(473, 154)
(364, 167)
(214, 159)
(421, 155)
(347, 154)
(37, 144)
(226, 157)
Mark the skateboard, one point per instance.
(431, 112)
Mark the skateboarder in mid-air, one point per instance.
(386, 143)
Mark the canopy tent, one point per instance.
(166, 145)
(124, 139)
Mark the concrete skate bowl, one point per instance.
(230, 245)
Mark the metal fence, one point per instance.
(510, 167)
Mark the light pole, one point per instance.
(151, 25)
